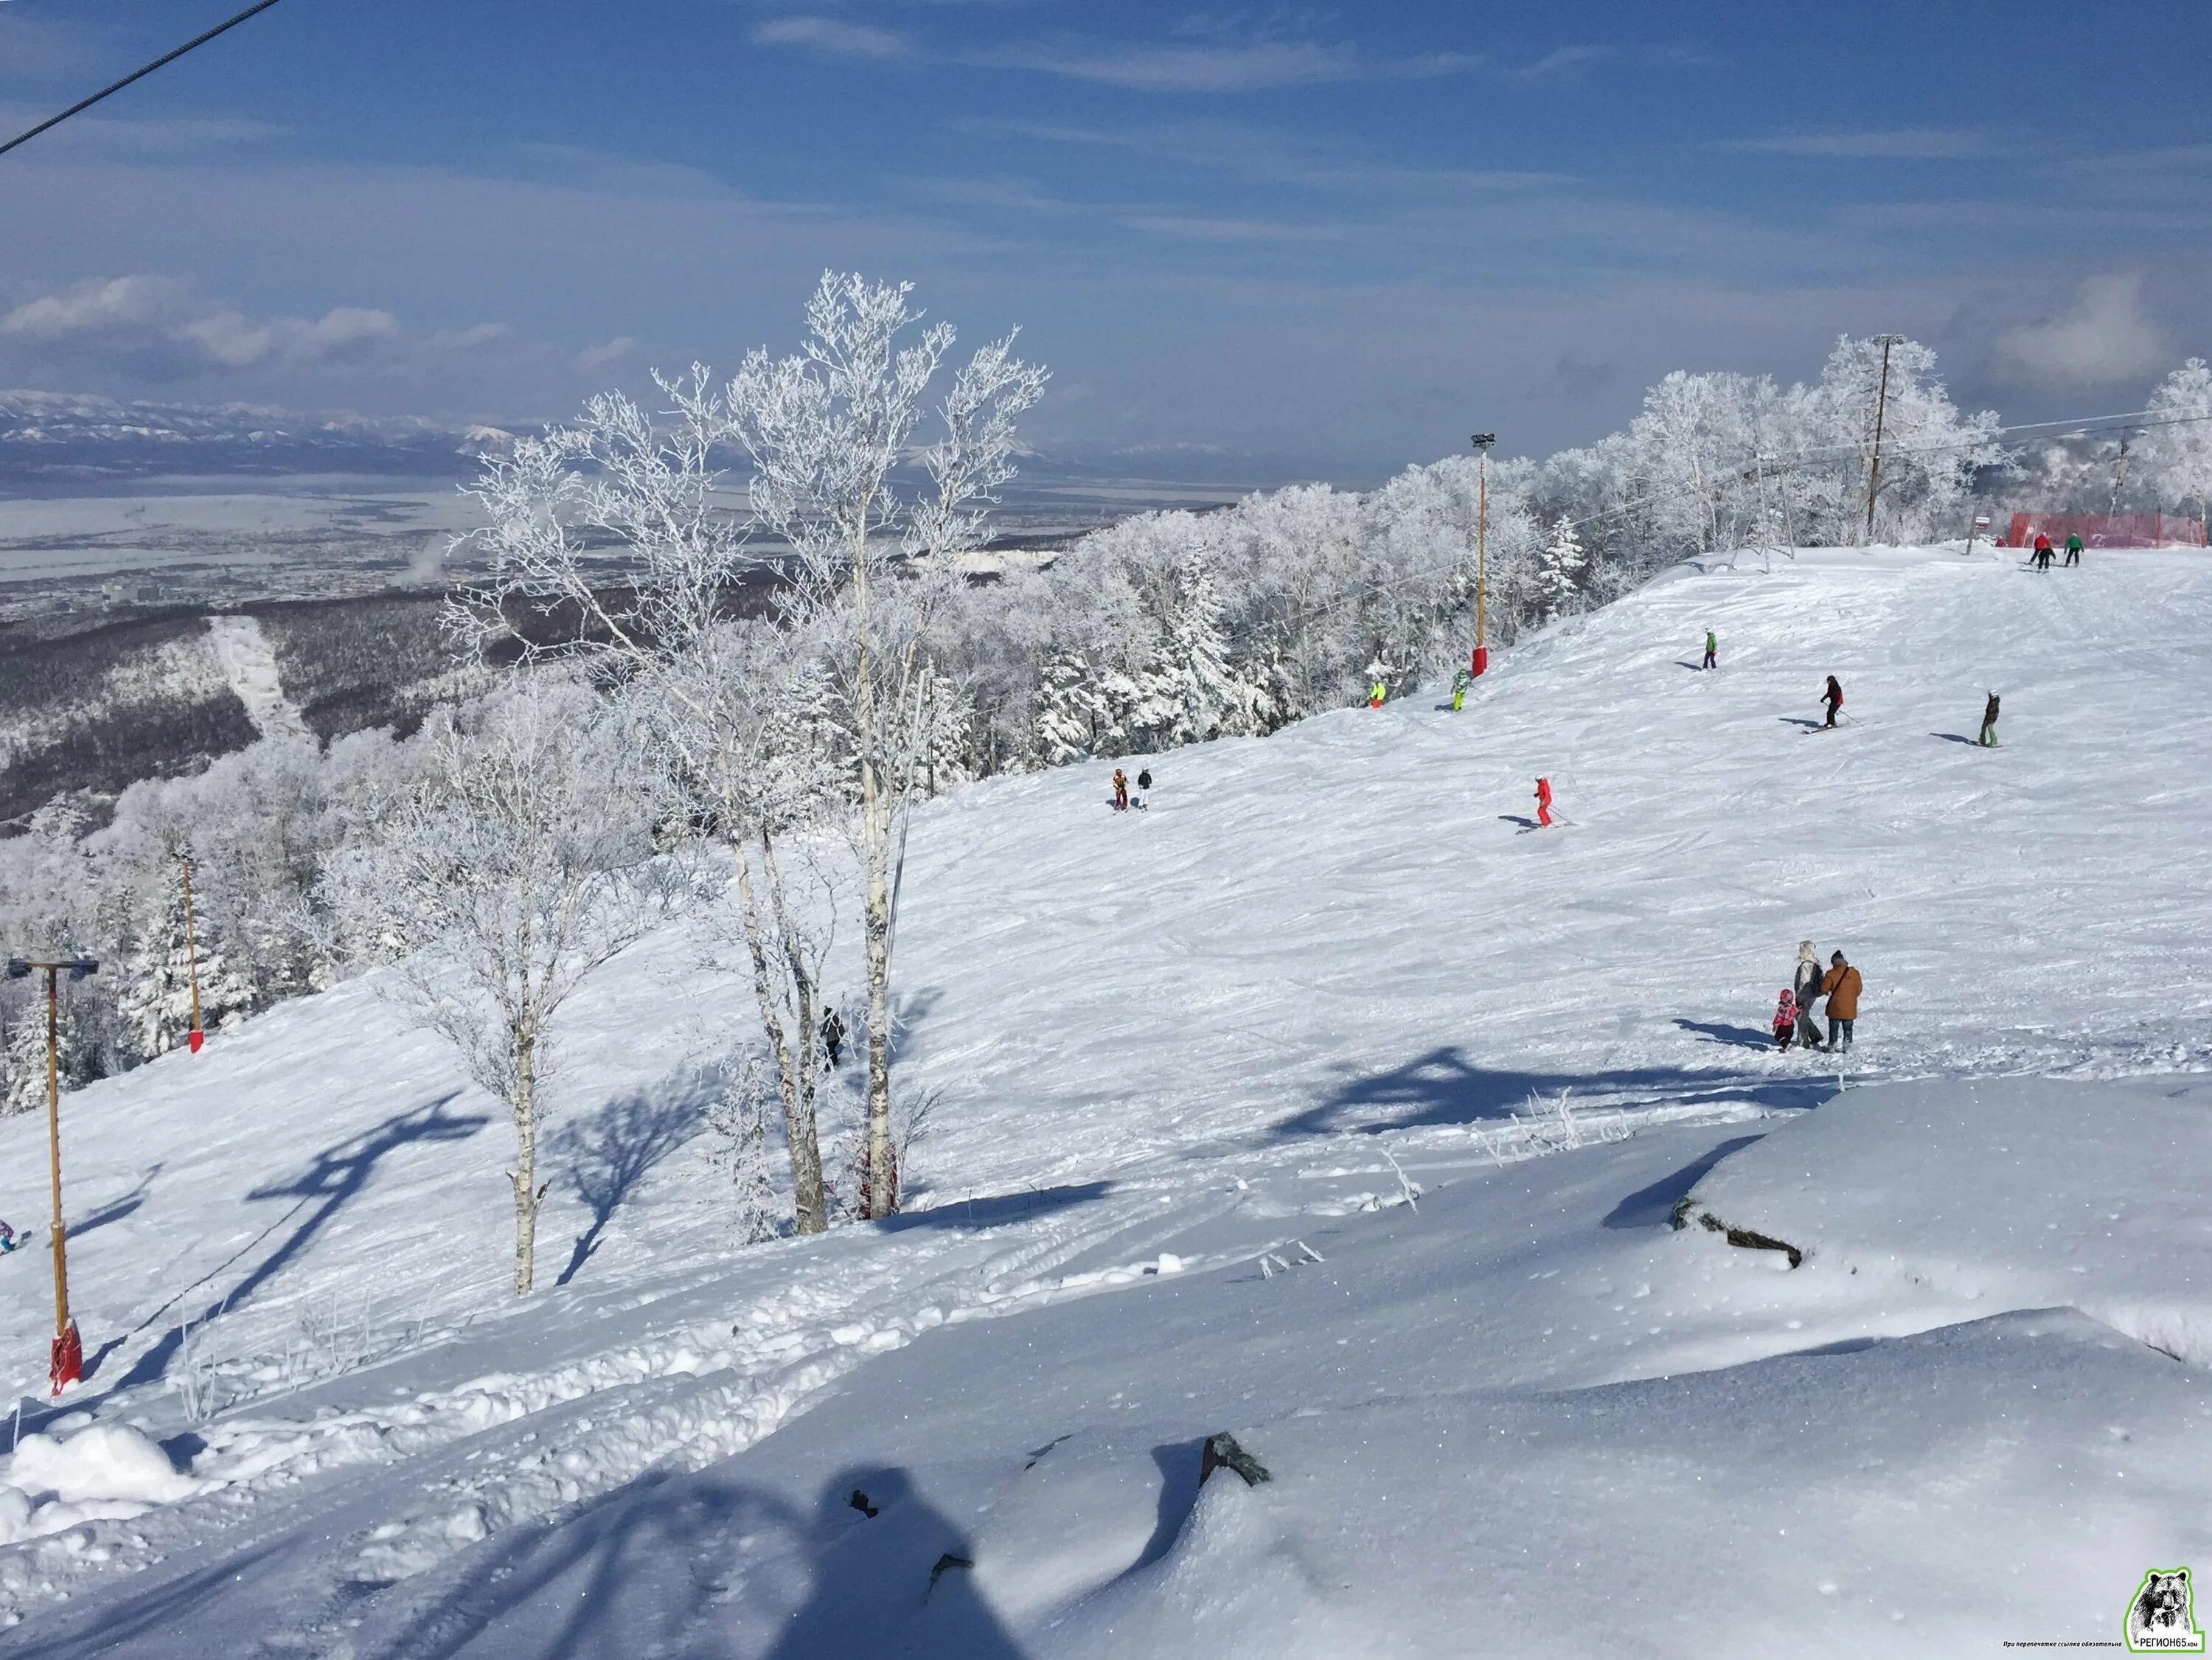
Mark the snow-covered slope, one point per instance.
(1523, 1414)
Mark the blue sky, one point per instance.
(1334, 239)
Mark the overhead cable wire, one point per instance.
(82, 105)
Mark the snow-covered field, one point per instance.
(1319, 1103)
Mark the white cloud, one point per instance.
(2104, 339)
(831, 37)
(1561, 62)
(1251, 67)
(612, 351)
(1913, 145)
(158, 328)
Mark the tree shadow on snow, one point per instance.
(1444, 1087)
(609, 1154)
(116, 1209)
(323, 1191)
(643, 1569)
(1654, 1206)
(1740, 1038)
(990, 1211)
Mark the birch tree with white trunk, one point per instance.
(520, 866)
(827, 429)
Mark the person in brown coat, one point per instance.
(1841, 990)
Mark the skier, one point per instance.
(1712, 652)
(833, 1038)
(1144, 783)
(1785, 1019)
(2074, 548)
(1380, 690)
(1834, 697)
(1120, 790)
(1805, 991)
(1459, 684)
(1841, 990)
(1988, 740)
(2042, 561)
(1544, 802)
(9, 1238)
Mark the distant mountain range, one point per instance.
(52, 438)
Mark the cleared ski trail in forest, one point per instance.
(1197, 1030)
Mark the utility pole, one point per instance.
(1482, 441)
(1880, 412)
(191, 955)
(66, 1363)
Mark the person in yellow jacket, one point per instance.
(1841, 990)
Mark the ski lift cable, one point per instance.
(167, 58)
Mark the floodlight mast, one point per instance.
(1482, 441)
(66, 1363)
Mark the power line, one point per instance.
(84, 105)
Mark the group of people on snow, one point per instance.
(2041, 557)
(1122, 802)
(1839, 982)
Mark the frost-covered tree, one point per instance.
(737, 1124)
(825, 430)
(1931, 452)
(1560, 578)
(2177, 441)
(156, 999)
(520, 866)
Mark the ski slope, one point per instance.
(1322, 1103)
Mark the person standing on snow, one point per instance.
(1785, 1019)
(1712, 651)
(1380, 690)
(1805, 989)
(1988, 740)
(1544, 803)
(1144, 783)
(2042, 561)
(833, 1038)
(2074, 548)
(1460, 682)
(1841, 990)
(1834, 697)
(1120, 790)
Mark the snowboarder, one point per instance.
(1834, 697)
(1712, 652)
(1459, 684)
(1785, 1019)
(2074, 548)
(2042, 561)
(9, 1238)
(1805, 989)
(1120, 790)
(1988, 740)
(1841, 990)
(1544, 802)
(833, 1038)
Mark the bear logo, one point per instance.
(2162, 1618)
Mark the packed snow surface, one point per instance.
(1324, 1103)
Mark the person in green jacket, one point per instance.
(1459, 682)
(1712, 651)
(2074, 550)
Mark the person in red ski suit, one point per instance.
(1785, 1019)
(1544, 802)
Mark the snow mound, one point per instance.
(2025, 1192)
(108, 1472)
